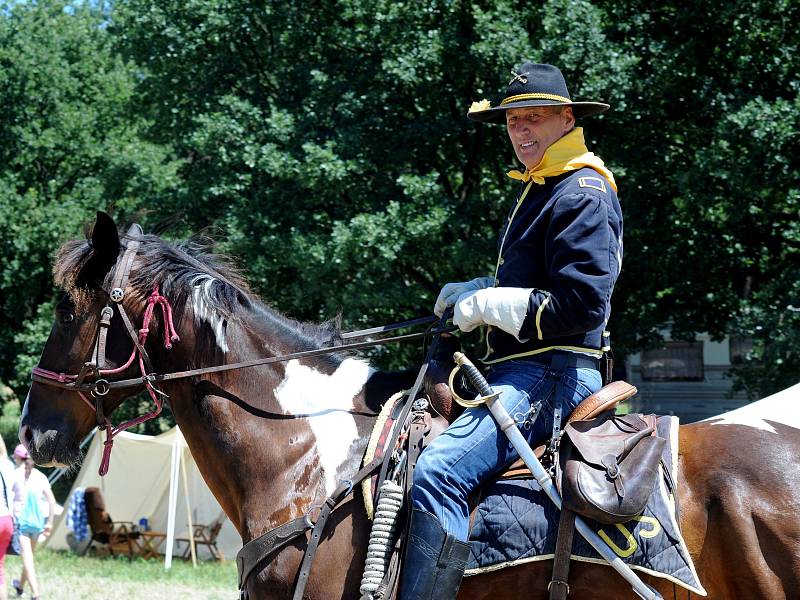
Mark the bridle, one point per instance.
(92, 377)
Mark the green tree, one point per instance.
(710, 194)
(69, 144)
(332, 145)
(326, 146)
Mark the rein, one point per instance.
(99, 386)
(61, 380)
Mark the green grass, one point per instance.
(65, 576)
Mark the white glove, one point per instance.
(451, 291)
(503, 307)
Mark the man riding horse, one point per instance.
(546, 310)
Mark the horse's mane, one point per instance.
(178, 268)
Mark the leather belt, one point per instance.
(560, 359)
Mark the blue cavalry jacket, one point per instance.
(564, 240)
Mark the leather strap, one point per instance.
(392, 576)
(313, 542)
(559, 586)
(416, 434)
(409, 402)
(607, 370)
(135, 337)
(563, 359)
(555, 438)
(102, 333)
(124, 267)
(89, 369)
(559, 362)
(415, 442)
(384, 328)
(120, 282)
(339, 494)
(157, 378)
(256, 550)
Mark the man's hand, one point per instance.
(451, 291)
(503, 307)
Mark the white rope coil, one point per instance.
(381, 538)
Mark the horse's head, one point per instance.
(113, 331)
(89, 339)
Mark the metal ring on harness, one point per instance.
(558, 582)
(101, 387)
(309, 518)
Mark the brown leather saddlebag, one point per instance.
(608, 466)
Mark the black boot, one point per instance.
(434, 562)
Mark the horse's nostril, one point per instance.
(25, 435)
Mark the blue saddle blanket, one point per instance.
(517, 523)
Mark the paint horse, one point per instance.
(273, 441)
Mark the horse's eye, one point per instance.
(68, 318)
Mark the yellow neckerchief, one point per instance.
(569, 153)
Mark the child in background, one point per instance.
(30, 481)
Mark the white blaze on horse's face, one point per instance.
(783, 407)
(204, 310)
(307, 391)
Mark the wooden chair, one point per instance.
(115, 537)
(205, 535)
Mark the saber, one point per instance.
(509, 427)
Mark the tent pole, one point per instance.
(188, 513)
(173, 500)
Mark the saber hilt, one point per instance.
(475, 377)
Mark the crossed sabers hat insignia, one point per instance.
(521, 77)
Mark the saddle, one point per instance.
(601, 468)
(605, 465)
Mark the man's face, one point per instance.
(533, 129)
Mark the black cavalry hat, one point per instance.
(533, 85)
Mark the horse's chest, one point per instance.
(326, 402)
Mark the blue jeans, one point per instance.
(473, 448)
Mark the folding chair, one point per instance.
(205, 535)
(116, 537)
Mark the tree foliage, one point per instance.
(325, 145)
(68, 145)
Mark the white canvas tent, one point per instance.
(145, 479)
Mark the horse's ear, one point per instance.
(105, 242)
